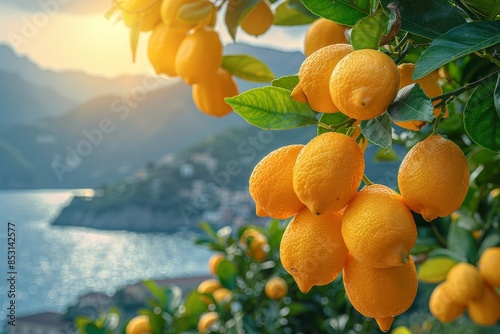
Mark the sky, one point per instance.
(75, 35)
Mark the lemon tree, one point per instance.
(422, 74)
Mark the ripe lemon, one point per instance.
(485, 311)
(222, 294)
(489, 264)
(206, 321)
(214, 261)
(162, 48)
(145, 13)
(321, 33)
(139, 325)
(199, 55)
(208, 286)
(209, 95)
(434, 177)
(430, 86)
(364, 83)
(380, 293)
(328, 172)
(314, 76)
(169, 12)
(378, 228)
(465, 283)
(276, 288)
(312, 249)
(257, 244)
(271, 184)
(259, 19)
(442, 304)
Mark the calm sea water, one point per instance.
(57, 264)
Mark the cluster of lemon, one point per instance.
(183, 42)
(469, 287)
(361, 84)
(367, 234)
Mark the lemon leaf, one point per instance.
(227, 272)
(292, 13)
(346, 12)
(368, 31)
(434, 270)
(332, 119)
(236, 12)
(427, 18)
(288, 82)
(481, 122)
(452, 45)
(195, 12)
(378, 130)
(272, 108)
(462, 242)
(247, 67)
(411, 104)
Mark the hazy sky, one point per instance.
(74, 35)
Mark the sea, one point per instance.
(56, 264)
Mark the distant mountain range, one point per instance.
(76, 86)
(107, 137)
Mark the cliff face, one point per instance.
(130, 218)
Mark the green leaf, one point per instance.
(207, 228)
(288, 82)
(452, 45)
(434, 270)
(346, 12)
(481, 122)
(492, 240)
(236, 12)
(462, 242)
(440, 252)
(290, 13)
(411, 104)
(384, 155)
(378, 130)
(272, 108)
(156, 291)
(488, 9)
(174, 298)
(247, 67)
(496, 96)
(427, 18)
(93, 329)
(332, 119)
(367, 32)
(227, 272)
(194, 304)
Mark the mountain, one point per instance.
(208, 181)
(24, 102)
(109, 137)
(75, 86)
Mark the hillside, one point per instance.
(23, 102)
(207, 181)
(164, 121)
(75, 86)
